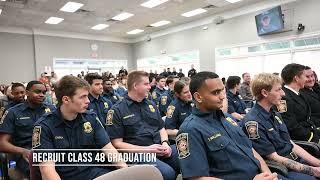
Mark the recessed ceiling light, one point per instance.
(122, 16)
(54, 20)
(136, 31)
(3, 0)
(233, 1)
(0, 11)
(153, 3)
(100, 26)
(160, 23)
(194, 12)
(71, 7)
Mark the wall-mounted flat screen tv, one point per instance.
(270, 21)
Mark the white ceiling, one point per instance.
(33, 13)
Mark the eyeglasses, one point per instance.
(39, 91)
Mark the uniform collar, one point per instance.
(230, 93)
(59, 118)
(296, 92)
(265, 114)
(209, 116)
(25, 105)
(92, 99)
(130, 101)
(182, 102)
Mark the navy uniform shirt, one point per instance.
(18, 121)
(211, 145)
(156, 93)
(177, 112)
(112, 96)
(235, 103)
(136, 122)
(85, 132)
(165, 100)
(8, 106)
(267, 132)
(100, 106)
(121, 91)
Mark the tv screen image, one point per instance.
(269, 21)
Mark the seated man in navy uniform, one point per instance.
(294, 109)
(210, 145)
(18, 92)
(71, 126)
(311, 96)
(98, 104)
(179, 108)
(268, 133)
(159, 90)
(17, 123)
(236, 105)
(109, 92)
(134, 124)
(167, 96)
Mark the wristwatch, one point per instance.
(165, 141)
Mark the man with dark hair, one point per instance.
(180, 73)
(167, 96)
(192, 71)
(236, 105)
(294, 110)
(268, 133)
(18, 92)
(134, 124)
(123, 72)
(311, 97)
(98, 104)
(159, 90)
(109, 92)
(245, 91)
(211, 145)
(17, 122)
(71, 126)
(164, 73)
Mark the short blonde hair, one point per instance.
(263, 81)
(135, 77)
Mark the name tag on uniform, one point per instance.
(215, 136)
(183, 114)
(129, 116)
(271, 129)
(25, 118)
(58, 137)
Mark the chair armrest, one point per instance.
(311, 147)
(277, 167)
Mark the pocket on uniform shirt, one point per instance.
(218, 152)
(218, 144)
(22, 122)
(130, 121)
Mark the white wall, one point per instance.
(238, 30)
(23, 57)
(16, 58)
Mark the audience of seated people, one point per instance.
(130, 109)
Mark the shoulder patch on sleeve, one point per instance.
(4, 116)
(2, 110)
(151, 108)
(282, 106)
(170, 111)
(182, 143)
(252, 129)
(164, 100)
(154, 95)
(36, 136)
(109, 117)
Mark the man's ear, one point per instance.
(65, 99)
(264, 93)
(197, 97)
